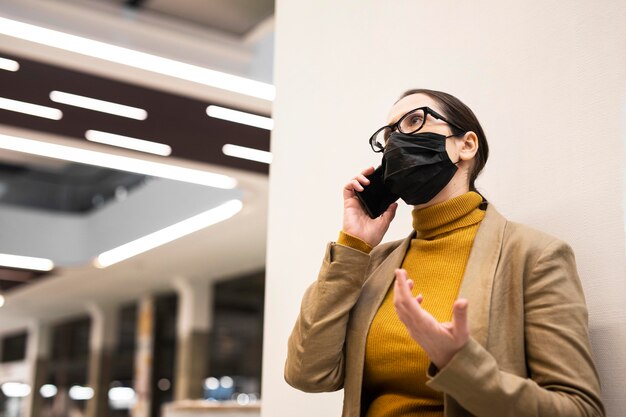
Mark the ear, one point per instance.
(468, 146)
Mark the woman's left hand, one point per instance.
(441, 341)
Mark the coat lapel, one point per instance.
(480, 271)
(372, 295)
(374, 290)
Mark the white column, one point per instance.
(143, 357)
(37, 356)
(102, 343)
(104, 326)
(195, 309)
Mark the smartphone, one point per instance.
(376, 197)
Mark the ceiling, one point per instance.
(35, 187)
(69, 188)
(234, 17)
(11, 278)
(173, 119)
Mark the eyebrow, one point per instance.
(394, 120)
(414, 108)
(402, 114)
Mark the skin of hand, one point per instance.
(441, 341)
(356, 221)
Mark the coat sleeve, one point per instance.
(562, 378)
(315, 355)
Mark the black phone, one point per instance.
(376, 197)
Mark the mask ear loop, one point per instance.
(459, 161)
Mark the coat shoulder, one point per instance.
(530, 237)
(528, 244)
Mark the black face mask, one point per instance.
(417, 167)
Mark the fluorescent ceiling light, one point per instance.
(240, 117)
(137, 59)
(81, 393)
(15, 389)
(122, 398)
(48, 390)
(122, 163)
(98, 105)
(31, 109)
(168, 234)
(247, 153)
(128, 142)
(9, 64)
(121, 394)
(25, 262)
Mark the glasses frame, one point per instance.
(396, 126)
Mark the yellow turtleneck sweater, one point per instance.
(395, 365)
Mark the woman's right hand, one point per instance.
(356, 221)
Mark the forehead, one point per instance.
(409, 103)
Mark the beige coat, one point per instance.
(529, 352)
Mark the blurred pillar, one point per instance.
(37, 356)
(195, 309)
(102, 344)
(143, 357)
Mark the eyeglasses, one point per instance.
(408, 124)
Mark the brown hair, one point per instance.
(459, 114)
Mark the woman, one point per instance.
(485, 317)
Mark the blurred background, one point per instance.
(134, 160)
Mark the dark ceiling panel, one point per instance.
(12, 278)
(74, 189)
(178, 121)
(234, 17)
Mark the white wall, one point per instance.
(546, 79)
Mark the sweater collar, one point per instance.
(449, 215)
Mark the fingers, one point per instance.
(356, 184)
(390, 213)
(459, 316)
(362, 179)
(402, 293)
(368, 171)
(420, 297)
(351, 188)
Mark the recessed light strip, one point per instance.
(123, 163)
(240, 117)
(25, 262)
(30, 109)
(98, 105)
(137, 59)
(168, 234)
(79, 393)
(48, 390)
(9, 65)
(15, 389)
(247, 153)
(128, 142)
